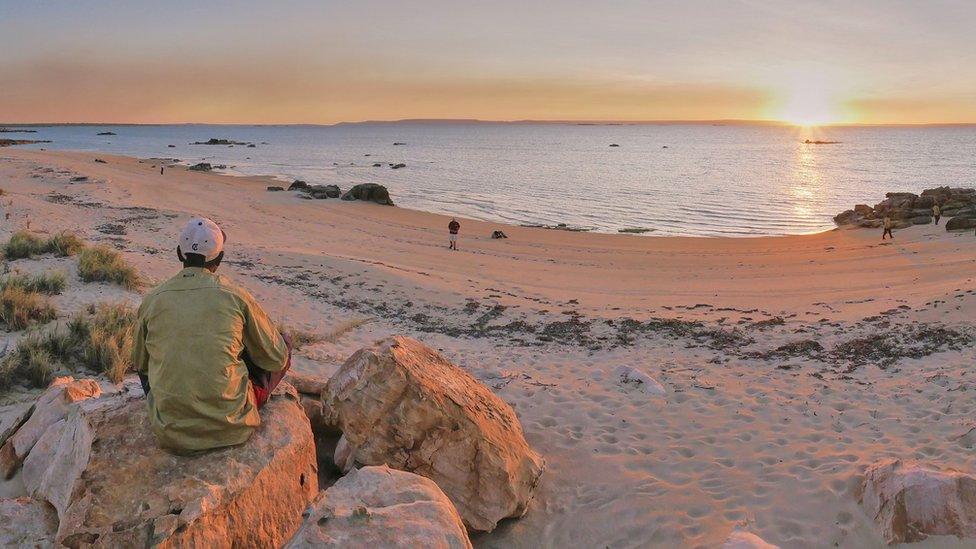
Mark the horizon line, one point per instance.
(460, 121)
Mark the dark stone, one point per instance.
(298, 185)
(215, 141)
(498, 234)
(201, 167)
(961, 223)
(320, 192)
(79, 179)
(106, 133)
(614, 145)
(275, 188)
(371, 192)
(100, 161)
(398, 166)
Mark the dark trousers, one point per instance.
(937, 219)
(887, 232)
(263, 382)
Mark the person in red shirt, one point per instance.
(453, 227)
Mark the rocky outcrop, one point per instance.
(401, 404)
(746, 540)
(371, 192)
(12, 142)
(216, 141)
(201, 167)
(911, 502)
(907, 209)
(382, 507)
(51, 407)
(298, 185)
(100, 469)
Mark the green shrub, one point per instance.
(98, 340)
(44, 283)
(102, 264)
(20, 308)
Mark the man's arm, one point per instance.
(265, 347)
(140, 357)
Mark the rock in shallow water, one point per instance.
(401, 404)
(382, 507)
(911, 502)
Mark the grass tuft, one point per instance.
(102, 264)
(20, 308)
(43, 283)
(98, 340)
(65, 244)
(25, 244)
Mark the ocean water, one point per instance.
(701, 180)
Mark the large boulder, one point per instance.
(846, 217)
(400, 403)
(371, 192)
(911, 502)
(51, 407)
(382, 507)
(298, 185)
(101, 469)
(961, 223)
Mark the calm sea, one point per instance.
(675, 179)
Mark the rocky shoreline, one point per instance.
(907, 209)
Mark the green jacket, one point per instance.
(190, 338)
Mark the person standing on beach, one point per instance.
(207, 355)
(161, 170)
(453, 227)
(937, 212)
(887, 228)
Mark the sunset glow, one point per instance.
(327, 62)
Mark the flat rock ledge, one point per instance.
(101, 470)
(401, 404)
(910, 502)
(382, 507)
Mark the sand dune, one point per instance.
(789, 364)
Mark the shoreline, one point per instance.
(789, 364)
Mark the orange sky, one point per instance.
(317, 62)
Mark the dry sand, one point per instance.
(789, 364)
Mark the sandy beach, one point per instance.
(789, 364)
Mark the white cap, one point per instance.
(202, 236)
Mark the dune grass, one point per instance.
(26, 244)
(98, 340)
(103, 264)
(21, 308)
(42, 283)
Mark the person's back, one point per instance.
(196, 336)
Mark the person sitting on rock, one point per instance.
(453, 227)
(887, 228)
(207, 355)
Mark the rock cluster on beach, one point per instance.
(907, 209)
(438, 453)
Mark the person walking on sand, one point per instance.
(453, 227)
(161, 168)
(937, 212)
(887, 228)
(206, 353)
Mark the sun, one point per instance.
(807, 100)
